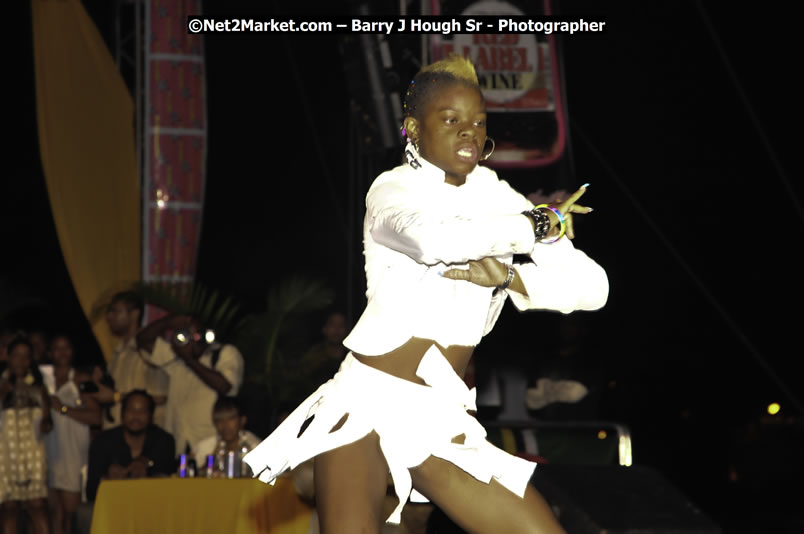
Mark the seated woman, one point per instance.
(440, 234)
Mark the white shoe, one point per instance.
(549, 391)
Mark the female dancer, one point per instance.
(440, 233)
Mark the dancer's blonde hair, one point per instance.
(457, 65)
(454, 68)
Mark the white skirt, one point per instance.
(413, 422)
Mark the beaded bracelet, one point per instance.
(561, 220)
(541, 223)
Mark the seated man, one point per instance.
(135, 449)
(200, 370)
(231, 436)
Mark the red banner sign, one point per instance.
(517, 74)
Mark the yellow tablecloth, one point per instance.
(199, 505)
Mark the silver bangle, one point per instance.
(508, 279)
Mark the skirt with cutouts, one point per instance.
(413, 422)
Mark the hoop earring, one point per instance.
(493, 146)
(411, 157)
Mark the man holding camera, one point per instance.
(200, 370)
(128, 366)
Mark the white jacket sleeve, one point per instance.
(561, 278)
(407, 221)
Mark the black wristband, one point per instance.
(541, 223)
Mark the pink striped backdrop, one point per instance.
(175, 144)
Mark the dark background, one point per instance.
(691, 153)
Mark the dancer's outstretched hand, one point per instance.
(567, 208)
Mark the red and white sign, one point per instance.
(518, 74)
(513, 69)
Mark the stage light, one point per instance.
(161, 199)
(773, 408)
(602, 435)
(624, 447)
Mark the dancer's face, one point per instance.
(451, 131)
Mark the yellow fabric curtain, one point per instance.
(86, 139)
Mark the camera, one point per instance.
(183, 337)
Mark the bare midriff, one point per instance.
(403, 361)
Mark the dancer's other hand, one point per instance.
(486, 272)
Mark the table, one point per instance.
(199, 505)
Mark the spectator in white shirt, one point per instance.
(128, 366)
(200, 371)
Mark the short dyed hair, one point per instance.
(443, 73)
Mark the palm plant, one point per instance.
(265, 335)
(211, 307)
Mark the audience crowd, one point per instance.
(166, 396)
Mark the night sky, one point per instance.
(694, 180)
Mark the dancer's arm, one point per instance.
(561, 277)
(409, 222)
(566, 281)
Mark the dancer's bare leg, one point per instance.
(481, 508)
(350, 486)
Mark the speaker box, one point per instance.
(598, 499)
